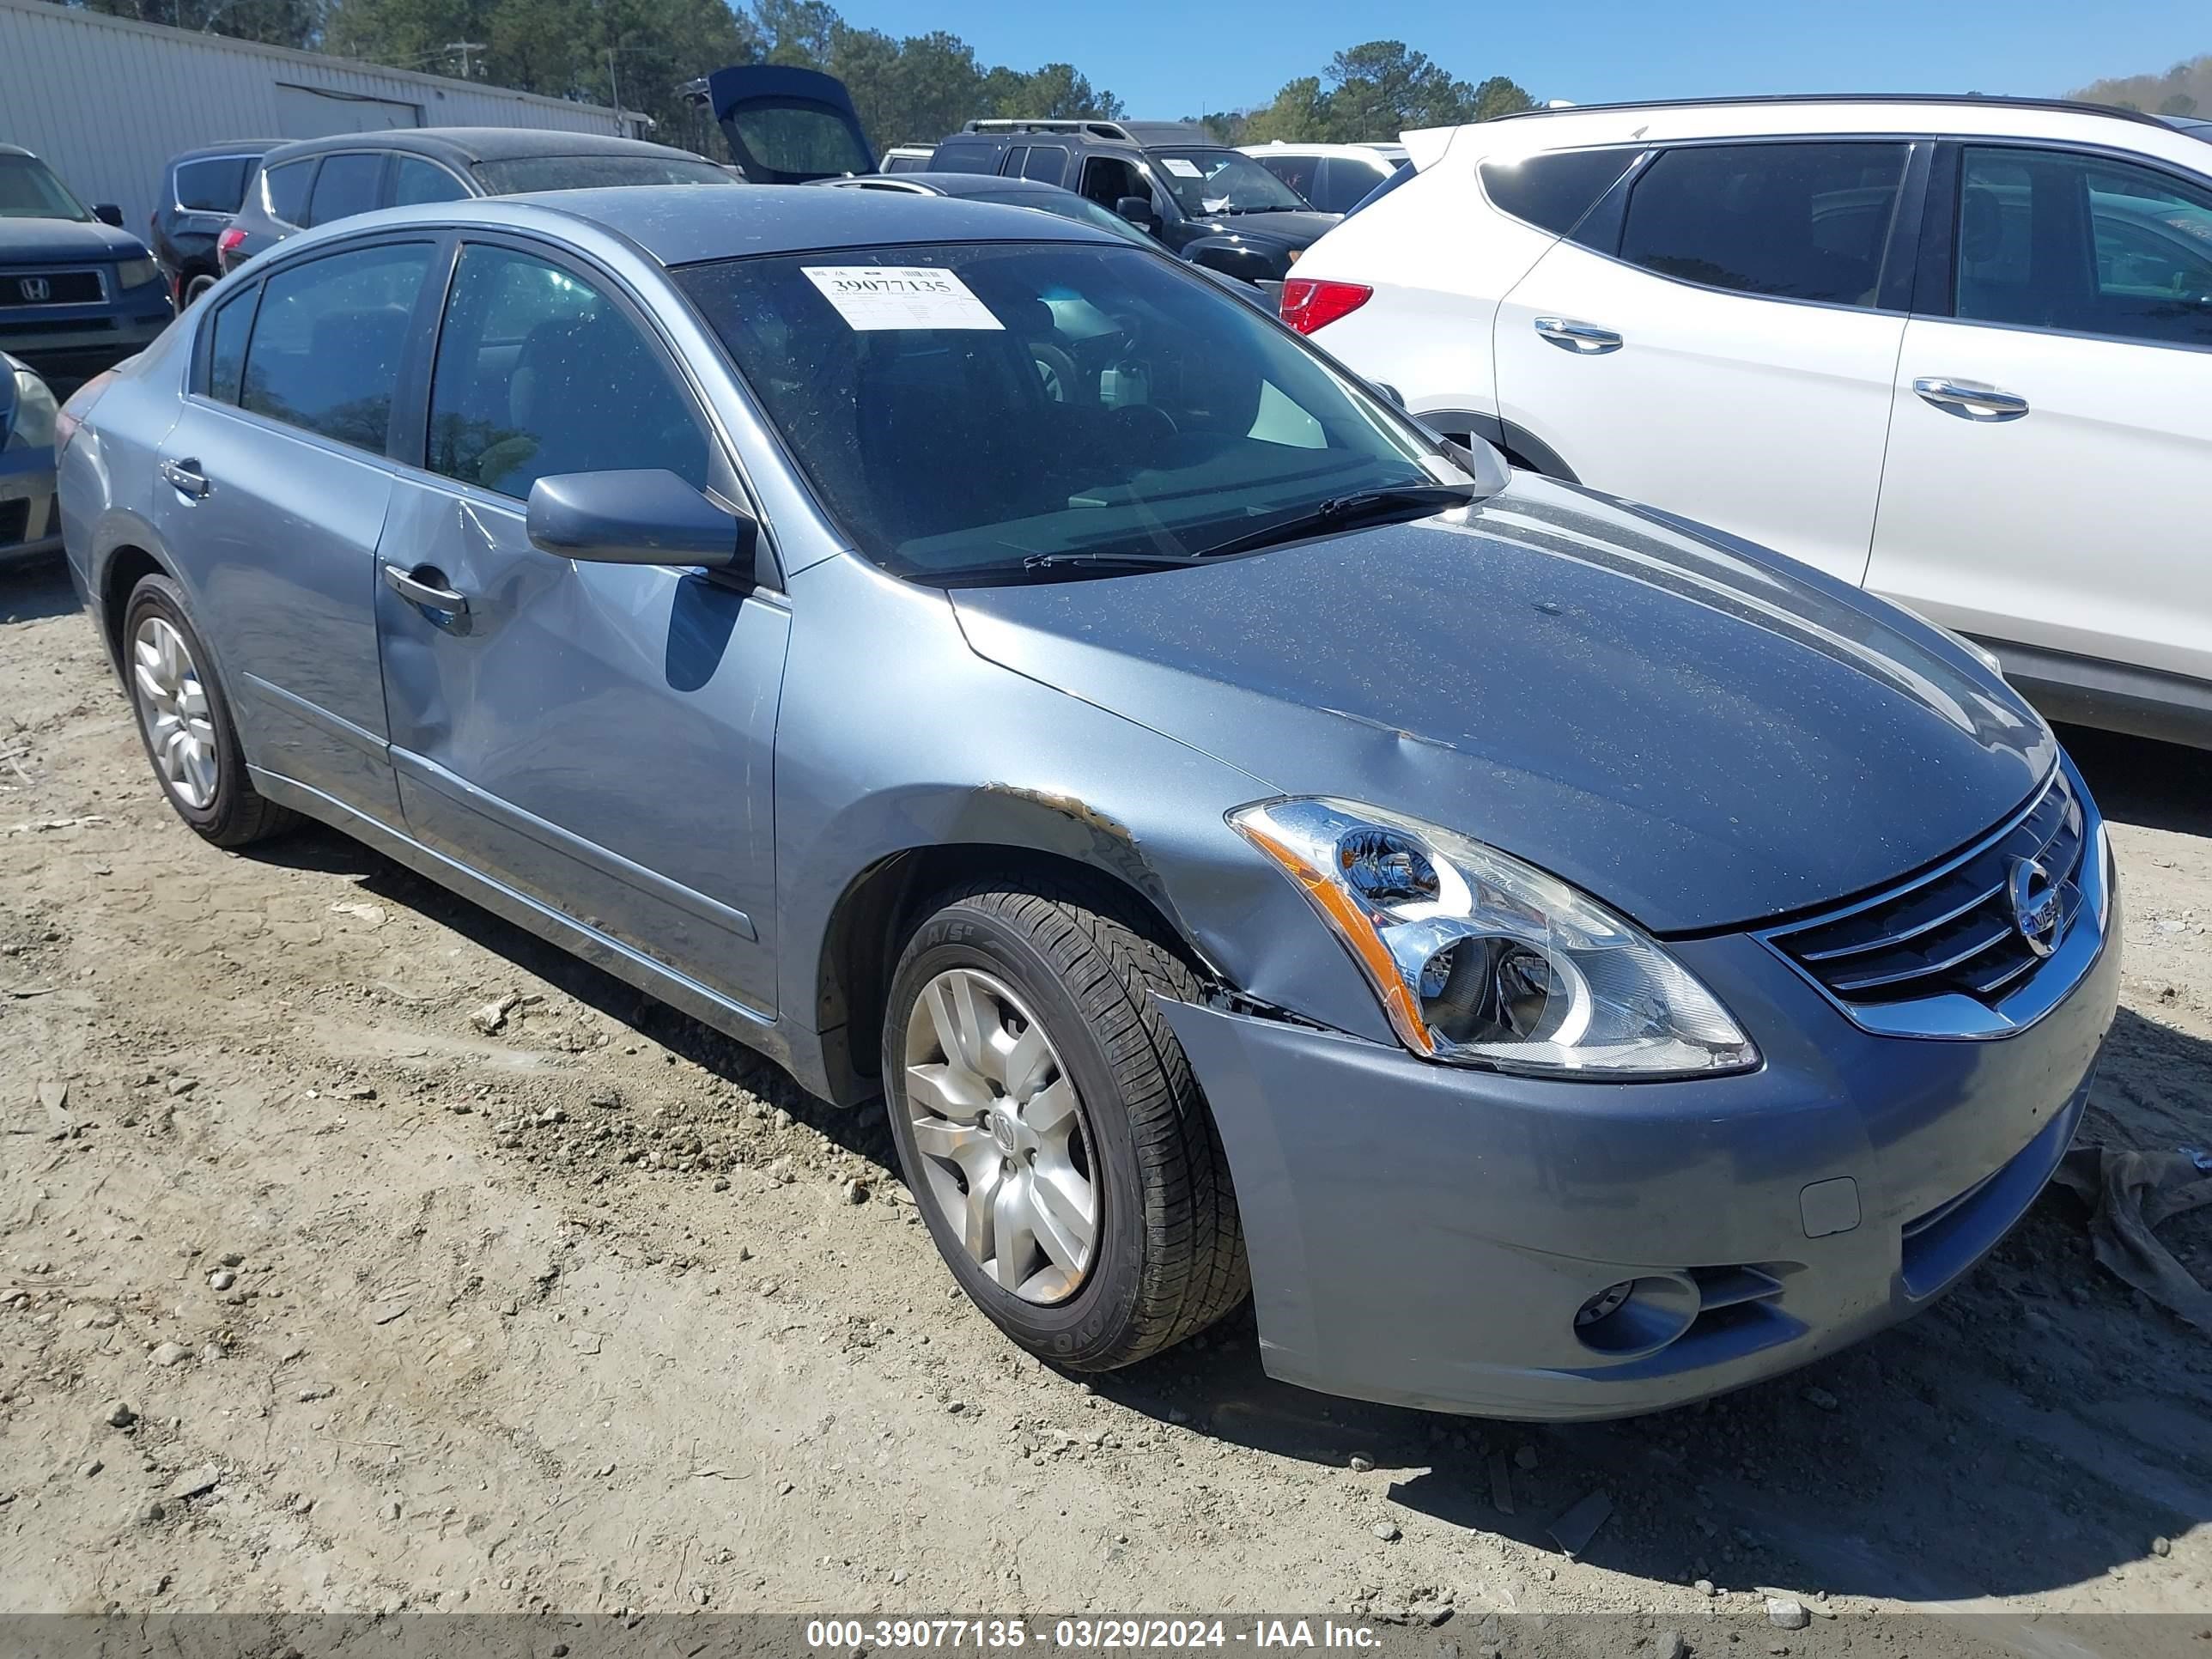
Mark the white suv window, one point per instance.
(2051, 239)
(1789, 221)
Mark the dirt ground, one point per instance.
(587, 1312)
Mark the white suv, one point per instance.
(1956, 349)
(1334, 177)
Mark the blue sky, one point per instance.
(1168, 58)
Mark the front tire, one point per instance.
(1051, 1130)
(184, 720)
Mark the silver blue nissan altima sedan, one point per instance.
(1560, 960)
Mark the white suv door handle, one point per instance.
(1587, 338)
(1970, 400)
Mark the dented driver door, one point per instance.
(596, 737)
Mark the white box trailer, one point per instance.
(107, 100)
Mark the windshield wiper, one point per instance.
(1344, 511)
(1135, 559)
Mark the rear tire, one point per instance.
(1165, 1256)
(184, 720)
(196, 286)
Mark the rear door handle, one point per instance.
(1587, 338)
(1970, 400)
(186, 478)
(426, 589)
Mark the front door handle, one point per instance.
(1587, 338)
(186, 478)
(1970, 400)
(425, 586)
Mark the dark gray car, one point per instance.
(318, 181)
(1564, 961)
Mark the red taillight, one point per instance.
(1312, 302)
(72, 413)
(229, 244)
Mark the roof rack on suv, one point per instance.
(1051, 124)
(2069, 105)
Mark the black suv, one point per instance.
(1213, 205)
(200, 191)
(317, 180)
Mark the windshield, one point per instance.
(1222, 182)
(961, 408)
(521, 174)
(28, 190)
(1067, 204)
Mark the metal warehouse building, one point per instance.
(107, 100)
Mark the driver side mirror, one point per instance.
(645, 517)
(1138, 211)
(108, 214)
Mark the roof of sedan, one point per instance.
(482, 143)
(685, 224)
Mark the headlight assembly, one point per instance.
(33, 427)
(1482, 960)
(136, 273)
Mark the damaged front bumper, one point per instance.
(1517, 1247)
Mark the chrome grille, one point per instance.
(1954, 930)
(52, 288)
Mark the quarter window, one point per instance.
(216, 185)
(1787, 221)
(329, 339)
(539, 373)
(2049, 240)
(1553, 192)
(226, 347)
(284, 191)
(348, 185)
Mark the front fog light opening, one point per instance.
(1636, 1316)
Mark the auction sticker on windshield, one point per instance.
(900, 296)
(1181, 168)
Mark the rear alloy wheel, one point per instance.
(184, 720)
(1051, 1130)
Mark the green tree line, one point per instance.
(1370, 93)
(2185, 89)
(915, 89)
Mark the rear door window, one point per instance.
(1780, 221)
(1009, 166)
(1046, 163)
(284, 190)
(349, 183)
(329, 340)
(1300, 173)
(414, 179)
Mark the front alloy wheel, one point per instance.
(996, 1115)
(1050, 1127)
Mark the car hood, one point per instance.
(63, 241)
(1700, 732)
(1298, 230)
